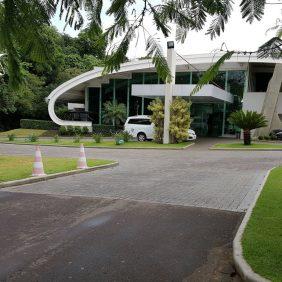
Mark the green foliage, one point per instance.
(62, 112)
(248, 120)
(105, 130)
(85, 130)
(56, 138)
(32, 138)
(77, 130)
(97, 137)
(76, 138)
(38, 124)
(119, 138)
(157, 117)
(126, 136)
(11, 137)
(70, 130)
(179, 120)
(63, 130)
(211, 73)
(114, 113)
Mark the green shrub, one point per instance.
(11, 137)
(77, 130)
(179, 120)
(70, 130)
(260, 138)
(119, 138)
(38, 124)
(85, 130)
(63, 130)
(272, 136)
(76, 138)
(157, 108)
(32, 138)
(56, 138)
(266, 137)
(106, 130)
(126, 136)
(97, 137)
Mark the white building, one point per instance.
(241, 83)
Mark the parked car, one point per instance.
(142, 128)
(277, 133)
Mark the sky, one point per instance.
(238, 34)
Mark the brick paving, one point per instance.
(194, 177)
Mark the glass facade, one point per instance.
(208, 118)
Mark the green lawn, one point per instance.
(107, 144)
(21, 132)
(262, 240)
(18, 167)
(248, 147)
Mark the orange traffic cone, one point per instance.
(82, 164)
(38, 169)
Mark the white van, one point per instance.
(142, 128)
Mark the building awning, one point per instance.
(207, 94)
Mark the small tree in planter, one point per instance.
(247, 121)
(157, 118)
(114, 113)
(179, 120)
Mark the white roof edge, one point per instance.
(206, 58)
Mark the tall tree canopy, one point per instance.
(19, 30)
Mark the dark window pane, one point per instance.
(182, 78)
(196, 76)
(151, 78)
(219, 80)
(236, 82)
(107, 94)
(121, 91)
(147, 102)
(135, 104)
(140, 121)
(94, 94)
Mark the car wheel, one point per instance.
(141, 137)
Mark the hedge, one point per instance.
(106, 130)
(38, 124)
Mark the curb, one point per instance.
(54, 175)
(247, 149)
(103, 147)
(243, 268)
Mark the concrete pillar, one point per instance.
(169, 90)
(269, 108)
(86, 99)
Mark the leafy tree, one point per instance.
(247, 121)
(179, 120)
(114, 113)
(16, 29)
(157, 118)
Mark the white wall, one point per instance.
(253, 101)
(72, 106)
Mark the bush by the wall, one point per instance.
(63, 130)
(38, 124)
(105, 130)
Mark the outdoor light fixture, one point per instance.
(170, 44)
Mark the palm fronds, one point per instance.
(248, 120)
(252, 9)
(211, 73)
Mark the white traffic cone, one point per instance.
(82, 164)
(38, 169)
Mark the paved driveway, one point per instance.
(116, 224)
(194, 177)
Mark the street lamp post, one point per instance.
(169, 90)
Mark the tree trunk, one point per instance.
(247, 137)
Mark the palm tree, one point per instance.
(114, 113)
(247, 121)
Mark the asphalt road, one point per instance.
(160, 216)
(54, 238)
